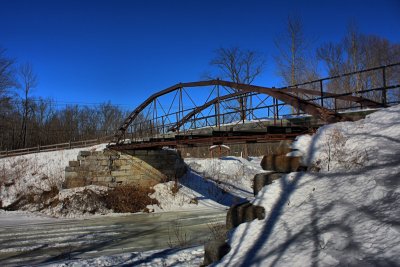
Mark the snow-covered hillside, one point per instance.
(216, 183)
(347, 214)
(212, 183)
(34, 172)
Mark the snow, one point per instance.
(79, 202)
(345, 212)
(169, 257)
(212, 183)
(35, 172)
(345, 215)
(215, 183)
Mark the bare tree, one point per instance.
(28, 81)
(294, 61)
(6, 73)
(357, 51)
(111, 118)
(239, 66)
(333, 56)
(6, 99)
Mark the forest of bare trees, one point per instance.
(297, 61)
(358, 51)
(26, 121)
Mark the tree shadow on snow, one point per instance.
(313, 230)
(209, 189)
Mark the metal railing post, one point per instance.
(384, 100)
(322, 93)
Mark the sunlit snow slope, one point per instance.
(347, 214)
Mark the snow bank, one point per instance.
(79, 202)
(345, 215)
(347, 145)
(35, 173)
(216, 183)
(233, 174)
(168, 257)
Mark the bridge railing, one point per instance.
(54, 147)
(380, 84)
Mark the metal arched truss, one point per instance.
(227, 103)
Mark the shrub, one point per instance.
(177, 237)
(175, 188)
(38, 200)
(218, 230)
(129, 198)
(337, 155)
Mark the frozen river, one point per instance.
(25, 242)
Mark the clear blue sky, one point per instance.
(122, 51)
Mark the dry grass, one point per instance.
(336, 151)
(218, 230)
(129, 198)
(40, 200)
(175, 188)
(177, 237)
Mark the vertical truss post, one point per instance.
(242, 111)
(177, 119)
(384, 100)
(181, 107)
(322, 92)
(218, 111)
(298, 105)
(163, 125)
(275, 110)
(335, 104)
(216, 114)
(155, 117)
(251, 113)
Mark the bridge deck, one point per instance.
(270, 133)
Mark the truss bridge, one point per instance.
(224, 112)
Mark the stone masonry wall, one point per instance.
(252, 149)
(143, 168)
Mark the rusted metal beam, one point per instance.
(207, 141)
(201, 108)
(360, 100)
(307, 107)
(294, 101)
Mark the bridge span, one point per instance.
(224, 112)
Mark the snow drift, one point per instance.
(347, 214)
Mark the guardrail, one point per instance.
(54, 147)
